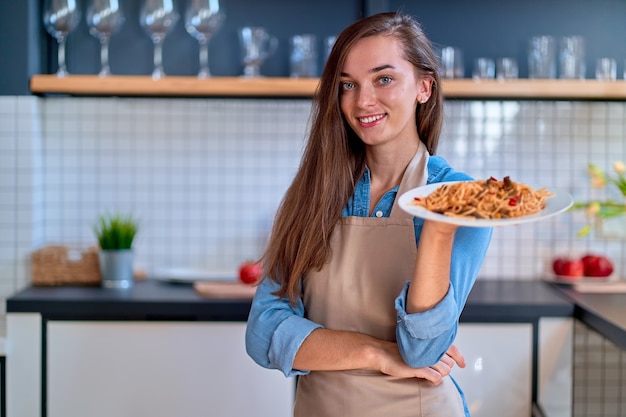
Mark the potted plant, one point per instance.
(115, 235)
(607, 215)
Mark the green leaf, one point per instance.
(115, 232)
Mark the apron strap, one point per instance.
(415, 175)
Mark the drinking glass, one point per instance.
(104, 17)
(203, 18)
(572, 58)
(60, 17)
(158, 17)
(542, 57)
(329, 42)
(484, 69)
(606, 69)
(303, 56)
(452, 65)
(256, 45)
(506, 68)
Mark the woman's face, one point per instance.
(380, 92)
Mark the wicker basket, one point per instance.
(52, 265)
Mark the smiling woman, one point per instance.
(380, 101)
(352, 299)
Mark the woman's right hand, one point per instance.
(392, 364)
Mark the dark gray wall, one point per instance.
(493, 28)
(131, 48)
(480, 27)
(20, 38)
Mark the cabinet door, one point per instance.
(497, 379)
(158, 369)
(556, 341)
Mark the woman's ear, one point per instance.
(425, 85)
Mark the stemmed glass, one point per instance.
(158, 17)
(202, 20)
(104, 17)
(60, 17)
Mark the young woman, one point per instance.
(360, 299)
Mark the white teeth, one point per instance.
(370, 119)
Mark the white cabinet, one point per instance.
(157, 369)
(556, 353)
(188, 369)
(497, 380)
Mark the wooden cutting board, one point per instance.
(218, 289)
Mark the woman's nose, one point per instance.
(367, 96)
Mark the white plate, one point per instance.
(560, 279)
(184, 275)
(556, 204)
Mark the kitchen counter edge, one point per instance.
(495, 301)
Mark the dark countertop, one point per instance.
(147, 300)
(489, 301)
(604, 313)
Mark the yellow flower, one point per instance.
(598, 182)
(598, 179)
(584, 231)
(592, 209)
(603, 209)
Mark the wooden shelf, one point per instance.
(132, 85)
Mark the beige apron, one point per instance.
(372, 258)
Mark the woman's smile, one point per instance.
(371, 121)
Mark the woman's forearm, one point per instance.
(332, 350)
(431, 277)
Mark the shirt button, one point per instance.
(379, 213)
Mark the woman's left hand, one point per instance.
(450, 358)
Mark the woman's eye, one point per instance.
(385, 80)
(347, 86)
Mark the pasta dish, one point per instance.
(485, 199)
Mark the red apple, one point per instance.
(597, 266)
(572, 268)
(250, 272)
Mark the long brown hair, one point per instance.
(334, 157)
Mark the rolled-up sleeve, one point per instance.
(276, 329)
(423, 338)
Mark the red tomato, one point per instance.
(250, 272)
(597, 265)
(573, 268)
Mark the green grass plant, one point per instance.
(116, 231)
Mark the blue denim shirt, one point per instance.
(276, 329)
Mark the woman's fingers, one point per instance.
(456, 355)
(442, 368)
(429, 374)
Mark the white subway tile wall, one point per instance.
(21, 192)
(205, 176)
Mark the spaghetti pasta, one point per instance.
(485, 199)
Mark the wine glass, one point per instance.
(202, 20)
(256, 45)
(158, 17)
(60, 17)
(104, 17)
